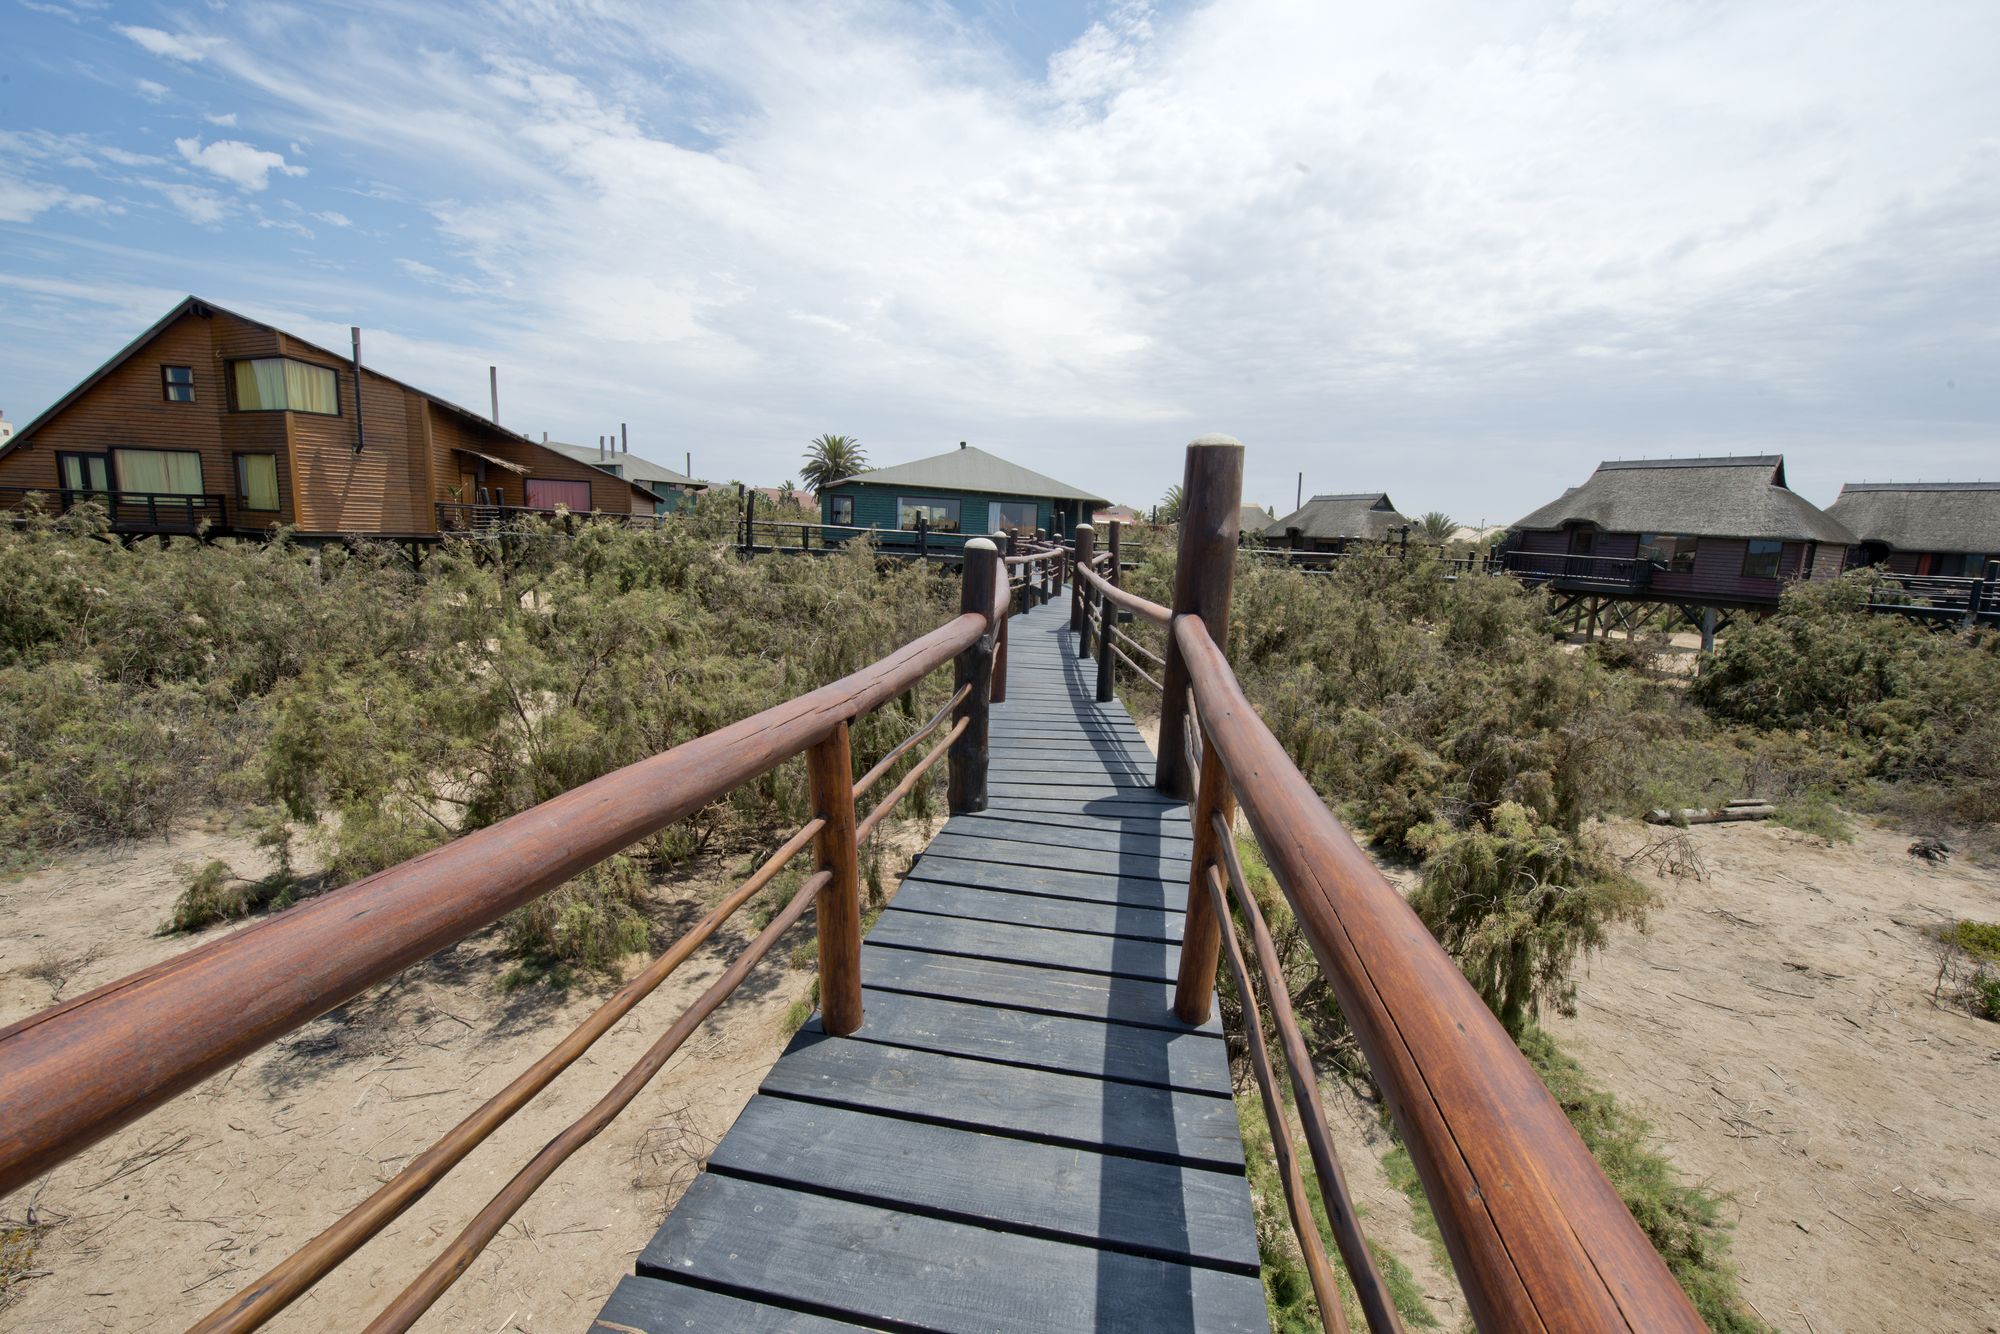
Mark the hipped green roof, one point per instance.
(969, 468)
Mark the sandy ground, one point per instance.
(170, 1216)
(1774, 1023)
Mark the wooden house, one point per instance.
(668, 487)
(1335, 523)
(214, 421)
(1723, 532)
(964, 490)
(1923, 528)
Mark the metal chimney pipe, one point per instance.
(600, 449)
(360, 431)
(624, 445)
(493, 383)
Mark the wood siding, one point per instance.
(1718, 565)
(452, 431)
(382, 488)
(128, 409)
(876, 506)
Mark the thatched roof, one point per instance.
(969, 468)
(1363, 515)
(1717, 497)
(1252, 518)
(1923, 516)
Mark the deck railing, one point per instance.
(1538, 1236)
(78, 1071)
(128, 511)
(457, 518)
(1625, 574)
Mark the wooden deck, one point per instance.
(1021, 1136)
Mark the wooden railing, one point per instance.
(757, 535)
(1627, 574)
(78, 1071)
(1939, 598)
(129, 511)
(454, 517)
(1538, 1236)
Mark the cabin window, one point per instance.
(178, 383)
(1684, 549)
(257, 481)
(840, 510)
(160, 472)
(90, 473)
(545, 493)
(941, 515)
(1761, 560)
(279, 384)
(1013, 516)
(1668, 551)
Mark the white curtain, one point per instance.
(310, 388)
(161, 471)
(259, 475)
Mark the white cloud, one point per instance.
(227, 118)
(334, 218)
(193, 202)
(22, 201)
(152, 91)
(171, 46)
(242, 165)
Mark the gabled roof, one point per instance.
(631, 467)
(1252, 518)
(1923, 516)
(1741, 496)
(1361, 514)
(196, 306)
(969, 468)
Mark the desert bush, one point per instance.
(1968, 954)
(215, 893)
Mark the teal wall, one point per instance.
(875, 506)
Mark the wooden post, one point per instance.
(1107, 617)
(830, 770)
(1708, 629)
(974, 668)
(1201, 930)
(743, 494)
(1081, 548)
(1117, 568)
(1006, 613)
(923, 536)
(1204, 575)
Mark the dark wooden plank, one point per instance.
(1120, 806)
(1015, 853)
(1150, 959)
(1022, 986)
(868, 1264)
(1138, 824)
(1141, 891)
(1142, 922)
(1036, 1041)
(1102, 1115)
(1140, 839)
(1042, 1190)
(999, 788)
(662, 1306)
(1013, 769)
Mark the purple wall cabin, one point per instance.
(1721, 530)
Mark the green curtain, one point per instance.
(258, 474)
(161, 471)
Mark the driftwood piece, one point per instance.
(1735, 810)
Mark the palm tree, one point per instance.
(1169, 511)
(1437, 527)
(830, 459)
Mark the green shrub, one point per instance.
(215, 893)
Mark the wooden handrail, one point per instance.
(1538, 1236)
(1119, 597)
(78, 1071)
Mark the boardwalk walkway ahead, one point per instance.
(1021, 1136)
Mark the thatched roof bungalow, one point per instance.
(1721, 530)
(1946, 528)
(1333, 523)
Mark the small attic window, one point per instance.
(177, 382)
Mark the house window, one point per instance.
(87, 473)
(178, 383)
(1668, 551)
(942, 515)
(160, 472)
(545, 493)
(279, 384)
(1761, 560)
(257, 481)
(1013, 516)
(840, 510)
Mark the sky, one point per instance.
(1458, 250)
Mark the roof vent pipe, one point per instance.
(360, 432)
(600, 449)
(624, 445)
(961, 444)
(493, 384)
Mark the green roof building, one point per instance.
(961, 491)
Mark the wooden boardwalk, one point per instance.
(1021, 1136)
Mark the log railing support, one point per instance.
(830, 771)
(1082, 547)
(1204, 575)
(979, 592)
(1201, 932)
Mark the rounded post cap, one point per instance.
(1085, 528)
(1214, 438)
(981, 544)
